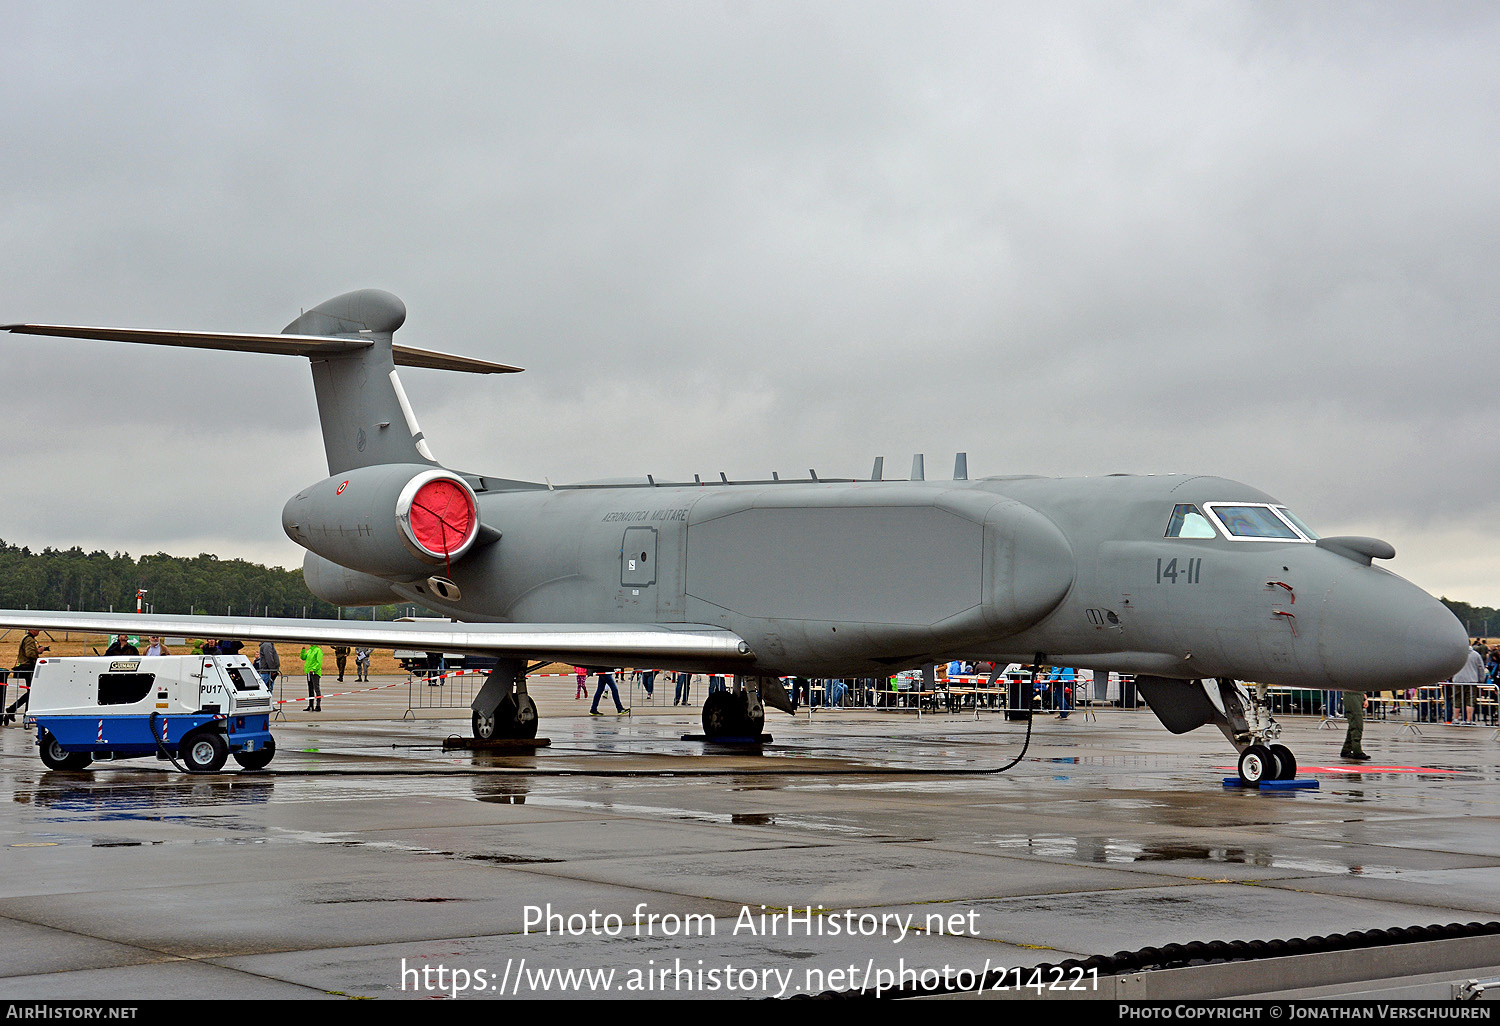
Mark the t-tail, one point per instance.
(366, 417)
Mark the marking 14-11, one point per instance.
(1190, 572)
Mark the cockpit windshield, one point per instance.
(1188, 522)
(1258, 522)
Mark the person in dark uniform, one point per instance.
(1354, 737)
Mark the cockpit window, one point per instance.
(1253, 522)
(1187, 522)
(1297, 523)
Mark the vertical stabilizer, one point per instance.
(366, 417)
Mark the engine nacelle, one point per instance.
(345, 587)
(396, 521)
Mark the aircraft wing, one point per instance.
(591, 644)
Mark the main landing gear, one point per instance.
(503, 709)
(737, 714)
(741, 713)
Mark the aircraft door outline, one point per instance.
(638, 557)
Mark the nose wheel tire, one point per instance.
(1286, 762)
(1258, 763)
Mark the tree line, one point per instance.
(1479, 621)
(64, 579)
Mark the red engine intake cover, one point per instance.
(442, 516)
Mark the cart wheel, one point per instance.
(204, 752)
(59, 758)
(257, 760)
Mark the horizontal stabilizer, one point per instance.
(312, 346)
(582, 643)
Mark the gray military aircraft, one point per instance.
(1194, 584)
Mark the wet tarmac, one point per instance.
(366, 857)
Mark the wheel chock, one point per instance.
(759, 739)
(1273, 785)
(499, 744)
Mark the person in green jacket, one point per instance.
(312, 665)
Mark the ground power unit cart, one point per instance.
(195, 708)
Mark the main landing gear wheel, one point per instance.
(257, 760)
(718, 715)
(753, 715)
(204, 753)
(485, 728)
(1257, 763)
(59, 758)
(730, 715)
(514, 717)
(518, 715)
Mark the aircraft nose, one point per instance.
(1381, 632)
(1437, 646)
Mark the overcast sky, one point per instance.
(1250, 239)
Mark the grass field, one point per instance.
(72, 643)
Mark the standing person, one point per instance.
(607, 680)
(1465, 686)
(683, 688)
(341, 659)
(155, 647)
(270, 664)
(1493, 669)
(362, 664)
(26, 657)
(121, 647)
(312, 665)
(1064, 678)
(582, 691)
(1354, 737)
(648, 682)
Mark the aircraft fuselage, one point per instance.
(864, 578)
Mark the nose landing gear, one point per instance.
(1255, 732)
